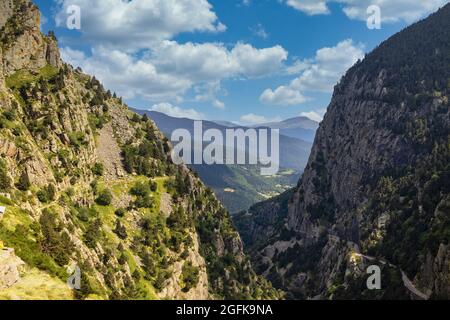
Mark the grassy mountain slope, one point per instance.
(86, 182)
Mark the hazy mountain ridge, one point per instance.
(88, 183)
(293, 152)
(377, 183)
(240, 186)
(299, 127)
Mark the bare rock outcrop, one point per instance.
(30, 49)
(6, 11)
(173, 287)
(9, 268)
(109, 153)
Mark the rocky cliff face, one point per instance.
(23, 45)
(377, 183)
(91, 184)
(6, 9)
(9, 268)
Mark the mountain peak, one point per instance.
(23, 45)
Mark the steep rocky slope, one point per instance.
(377, 185)
(88, 183)
(9, 268)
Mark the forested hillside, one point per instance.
(377, 186)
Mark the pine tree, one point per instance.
(120, 230)
(24, 182)
(93, 233)
(5, 180)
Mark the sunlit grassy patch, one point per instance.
(37, 285)
(13, 216)
(18, 231)
(22, 77)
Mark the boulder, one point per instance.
(10, 266)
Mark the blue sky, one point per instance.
(238, 60)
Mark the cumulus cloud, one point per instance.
(252, 119)
(391, 11)
(316, 75)
(177, 112)
(283, 95)
(208, 92)
(133, 52)
(329, 65)
(209, 61)
(170, 69)
(135, 24)
(127, 75)
(316, 115)
(259, 31)
(298, 66)
(310, 7)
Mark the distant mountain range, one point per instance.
(300, 128)
(240, 186)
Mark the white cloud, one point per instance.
(209, 61)
(298, 66)
(259, 31)
(258, 62)
(391, 10)
(44, 20)
(256, 119)
(137, 23)
(311, 7)
(128, 76)
(134, 54)
(170, 69)
(177, 112)
(207, 92)
(318, 75)
(328, 67)
(316, 115)
(283, 95)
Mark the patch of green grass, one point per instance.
(106, 214)
(37, 285)
(23, 77)
(5, 201)
(19, 79)
(14, 216)
(131, 261)
(18, 231)
(122, 187)
(19, 99)
(48, 72)
(161, 182)
(5, 123)
(146, 290)
(77, 139)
